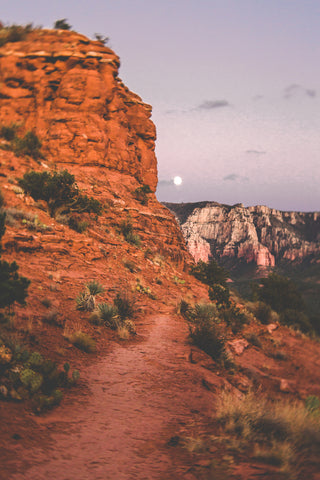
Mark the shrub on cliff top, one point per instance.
(62, 24)
(14, 33)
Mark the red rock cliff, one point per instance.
(66, 88)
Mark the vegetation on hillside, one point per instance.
(61, 193)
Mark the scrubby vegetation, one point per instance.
(60, 192)
(29, 144)
(126, 229)
(13, 287)
(14, 33)
(62, 24)
(141, 194)
(86, 300)
(116, 316)
(279, 433)
(27, 376)
(281, 295)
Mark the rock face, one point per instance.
(261, 235)
(66, 89)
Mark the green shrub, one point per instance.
(83, 341)
(13, 287)
(207, 332)
(220, 294)
(141, 194)
(126, 229)
(109, 315)
(62, 24)
(209, 273)
(234, 318)
(29, 144)
(94, 288)
(60, 192)
(279, 292)
(14, 33)
(8, 132)
(312, 404)
(295, 319)
(101, 38)
(279, 432)
(263, 312)
(124, 302)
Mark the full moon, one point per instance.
(177, 180)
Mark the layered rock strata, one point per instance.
(259, 234)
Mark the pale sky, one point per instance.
(234, 85)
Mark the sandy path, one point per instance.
(139, 395)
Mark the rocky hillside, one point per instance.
(261, 235)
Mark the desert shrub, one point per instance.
(82, 341)
(279, 292)
(254, 339)
(77, 223)
(29, 144)
(263, 312)
(30, 376)
(94, 288)
(124, 302)
(141, 194)
(126, 228)
(234, 318)
(220, 294)
(209, 273)
(185, 309)
(207, 332)
(312, 404)
(295, 319)
(52, 317)
(271, 427)
(59, 191)
(62, 24)
(8, 132)
(86, 299)
(101, 38)
(13, 287)
(14, 33)
(109, 315)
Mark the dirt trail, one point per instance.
(138, 397)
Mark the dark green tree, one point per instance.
(279, 292)
(209, 273)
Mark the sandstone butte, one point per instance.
(136, 399)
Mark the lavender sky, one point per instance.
(234, 85)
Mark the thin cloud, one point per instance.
(234, 177)
(212, 104)
(256, 152)
(165, 183)
(295, 89)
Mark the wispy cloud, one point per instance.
(165, 183)
(212, 104)
(256, 152)
(234, 177)
(295, 89)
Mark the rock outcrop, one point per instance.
(261, 235)
(65, 88)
